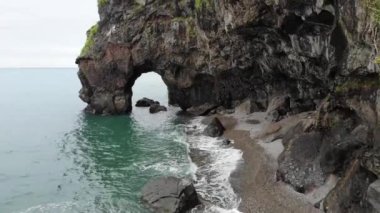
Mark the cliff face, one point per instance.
(221, 51)
(316, 55)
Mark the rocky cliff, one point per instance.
(319, 54)
(222, 51)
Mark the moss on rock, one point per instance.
(199, 4)
(102, 3)
(358, 85)
(90, 40)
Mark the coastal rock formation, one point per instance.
(214, 129)
(170, 195)
(374, 195)
(155, 108)
(220, 52)
(146, 102)
(283, 56)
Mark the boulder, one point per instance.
(146, 102)
(350, 193)
(214, 129)
(170, 195)
(226, 142)
(299, 164)
(278, 107)
(373, 195)
(371, 161)
(155, 108)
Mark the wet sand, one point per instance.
(255, 179)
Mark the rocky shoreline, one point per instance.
(311, 66)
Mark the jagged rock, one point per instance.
(155, 108)
(214, 129)
(278, 107)
(299, 164)
(373, 195)
(170, 195)
(146, 102)
(220, 52)
(350, 193)
(371, 161)
(247, 107)
(202, 110)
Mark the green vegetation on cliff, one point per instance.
(102, 3)
(200, 3)
(374, 6)
(90, 40)
(358, 85)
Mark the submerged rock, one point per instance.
(146, 102)
(155, 108)
(170, 195)
(214, 129)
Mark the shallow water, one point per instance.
(55, 158)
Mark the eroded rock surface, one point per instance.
(221, 52)
(146, 102)
(314, 55)
(214, 129)
(155, 108)
(170, 195)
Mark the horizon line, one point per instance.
(37, 67)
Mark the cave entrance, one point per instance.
(150, 85)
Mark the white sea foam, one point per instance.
(53, 207)
(215, 165)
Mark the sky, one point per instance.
(44, 33)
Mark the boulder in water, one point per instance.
(155, 108)
(170, 195)
(214, 129)
(146, 102)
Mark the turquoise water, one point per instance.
(55, 158)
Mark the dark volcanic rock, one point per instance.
(373, 195)
(201, 110)
(299, 164)
(350, 193)
(170, 195)
(219, 52)
(146, 102)
(311, 55)
(155, 108)
(214, 129)
(278, 107)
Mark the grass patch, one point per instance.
(102, 3)
(377, 60)
(199, 4)
(90, 40)
(365, 84)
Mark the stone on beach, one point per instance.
(170, 195)
(214, 129)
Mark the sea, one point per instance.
(54, 158)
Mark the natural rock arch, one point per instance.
(220, 52)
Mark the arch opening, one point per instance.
(150, 85)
